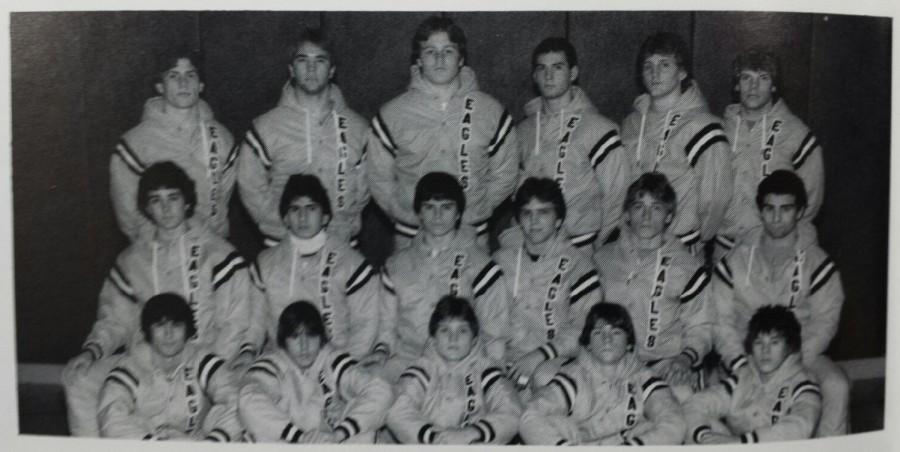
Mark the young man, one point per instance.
(606, 395)
(312, 264)
(167, 388)
(177, 126)
(554, 284)
(442, 259)
(311, 131)
(564, 138)
(442, 123)
(765, 136)
(454, 394)
(780, 263)
(671, 131)
(776, 400)
(307, 391)
(178, 255)
(664, 287)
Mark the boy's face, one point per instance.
(538, 221)
(302, 347)
(779, 215)
(168, 338)
(608, 343)
(167, 207)
(553, 75)
(662, 75)
(181, 85)
(454, 339)
(647, 217)
(440, 59)
(439, 216)
(769, 351)
(311, 69)
(305, 218)
(755, 88)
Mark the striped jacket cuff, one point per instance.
(549, 351)
(486, 432)
(218, 435)
(749, 438)
(427, 434)
(94, 349)
(700, 432)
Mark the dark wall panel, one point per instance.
(850, 111)
(720, 36)
(607, 45)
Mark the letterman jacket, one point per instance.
(582, 405)
(342, 285)
(581, 150)
(205, 150)
(779, 140)
(201, 267)
(666, 294)
(688, 146)
(414, 280)
(435, 395)
(809, 284)
(279, 401)
(550, 297)
(471, 137)
(199, 398)
(287, 140)
(786, 407)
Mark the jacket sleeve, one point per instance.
(380, 166)
(613, 174)
(258, 404)
(117, 410)
(697, 316)
(799, 423)
(727, 331)
(664, 414)
(406, 419)
(502, 408)
(369, 396)
(254, 184)
(809, 165)
(826, 297)
(117, 314)
(552, 402)
(584, 293)
(125, 169)
(706, 407)
(504, 161)
(708, 154)
(231, 289)
(221, 387)
(363, 289)
(259, 310)
(387, 313)
(491, 299)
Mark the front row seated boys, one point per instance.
(307, 391)
(606, 395)
(169, 388)
(776, 400)
(454, 393)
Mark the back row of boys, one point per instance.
(470, 141)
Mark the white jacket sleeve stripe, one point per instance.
(130, 158)
(360, 277)
(388, 284)
(121, 282)
(123, 377)
(418, 374)
(489, 377)
(225, 269)
(265, 366)
(696, 285)
(588, 282)
(486, 278)
(604, 146)
(568, 388)
(208, 366)
(503, 129)
(232, 156)
(259, 147)
(340, 364)
(291, 433)
(702, 140)
(806, 147)
(821, 275)
(805, 386)
(724, 273)
(652, 385)
(381, 131)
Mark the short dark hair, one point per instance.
(543, 189)
(555, 44)
(774, 319)
(436, 24)
(300, 314)
(452, 307)
(299, 185)
(166, 174)
(782, 182)
(439, 186)
(312, 35)
(168, 58)
(654, 184)
(758, 59)
(614, 314)
(167, 306)
(665, 44)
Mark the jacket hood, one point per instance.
(578, 102)
(289, 100)
(779, 108)
(807, 236)
(468, 82)
(691, 100)
(466, 236)
(627, 241)
(446, 367)
(155, 110)
(789, 367)
(196, 230)
(142, 354)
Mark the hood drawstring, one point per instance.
(308, 136)
(641, 137)
(750, 263)
(537, 132)
(737, 134)
(518, 272)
